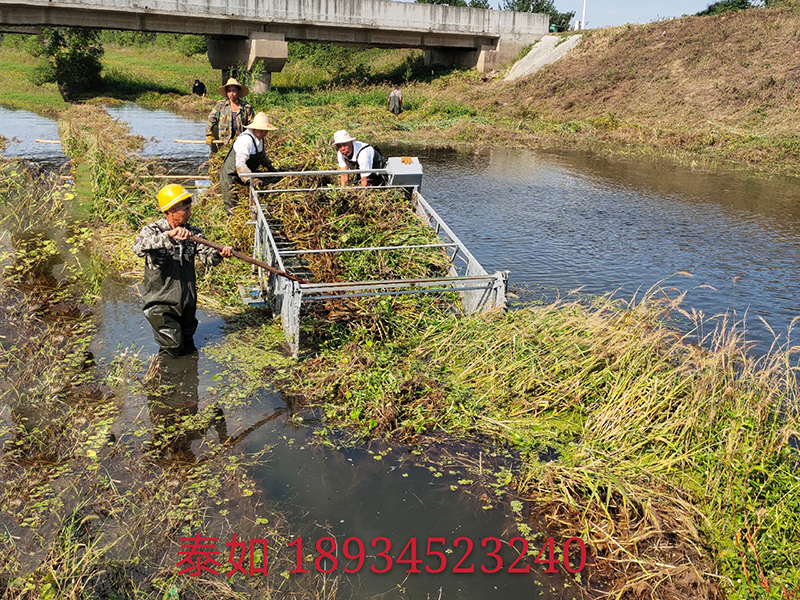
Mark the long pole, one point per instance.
(245, 258)
(583, 18)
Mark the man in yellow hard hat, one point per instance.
(170, 288)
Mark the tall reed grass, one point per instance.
(671, 460)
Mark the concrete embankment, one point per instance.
(546, 51)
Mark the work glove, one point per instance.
(210, 140)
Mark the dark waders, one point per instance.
(378, 162)
(228, 175)
(394, 105)
(170, 292)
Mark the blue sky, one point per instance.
(602, 13)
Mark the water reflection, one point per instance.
(161, 128)
(171, 388)
(23, 128)
(570, 221)
(375, 492)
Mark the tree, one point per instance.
(72, 60)
(559, 19)
(724, 6)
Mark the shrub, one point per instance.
(725, 6)
(138, 39)
(189, 45)
(72, 60)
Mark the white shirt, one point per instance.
(245, 146)
(364, 159)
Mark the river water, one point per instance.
(23, 128)
(573, 221)
(559, 222)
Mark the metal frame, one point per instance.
(478, 289)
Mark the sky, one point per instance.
(602, 13)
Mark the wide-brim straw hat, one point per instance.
(261, 121)
(342, 137)
(243, 91)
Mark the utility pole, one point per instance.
(583, 18)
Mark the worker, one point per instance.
(352, 154)
(395, 102)
(230, 116)
(199, 88)
(170, 289)
(246, 155)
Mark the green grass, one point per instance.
(133, 71)
(16, 90)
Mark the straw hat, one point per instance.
(342, 137)
(243, 91)
(261, 121)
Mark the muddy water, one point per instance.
(23, 128)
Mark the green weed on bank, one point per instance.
(671, 461)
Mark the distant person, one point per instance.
(395, 102)
(246, 156)
(352, 154)
(230, 116)
(170, 288)
(199, 88)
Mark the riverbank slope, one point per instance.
(719, 87)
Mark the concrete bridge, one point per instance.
(243, 31)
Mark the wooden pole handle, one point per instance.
(247, 259)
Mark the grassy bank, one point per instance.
(712, 91)
(99, 477)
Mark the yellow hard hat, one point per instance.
(170, 195)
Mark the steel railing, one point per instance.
(478, 289)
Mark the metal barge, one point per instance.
(478, 289)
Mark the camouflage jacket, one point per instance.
(169, 278)
(154, 243)
(219, 119)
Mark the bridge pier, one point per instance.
(484, 58)
(229, 53)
